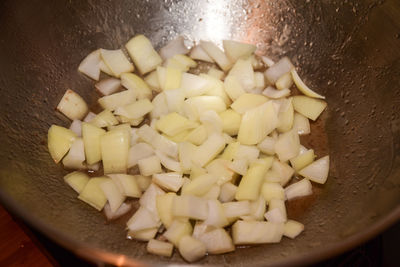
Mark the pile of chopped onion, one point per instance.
(220, 150)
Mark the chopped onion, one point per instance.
(90, 65)
(198, 53)
(317, 171)
(298, 189)
(73, 106)
(108, 86)
(271, 92)
(174, 47)
(191, 249)
(302, 87)
(216, 54)
(160, 248)
(280, 68)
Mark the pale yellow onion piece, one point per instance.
(228, 191)
(173, 78)
(122, 210)
(197, 136)
(92, 193)
(191, 249)
(186, 151)
(160, 106)
(164, 208)
(236, 209)
(233, 87)
(267, 146)
(108, 86)
(216, 54)
(254, 232)
(278, 204)
(267, 61)
(150, 166)
(301, 124)
(174, 47)
(170, 181)
(284, 82)
(230, 121)
(114, 151)
(243, 70)
(272, 190)
(76, 127)
(213, 193)
(178, 229)
(149, 198)
(77, 180)
(128, 184)
(72, 105)
(59, 141)
(217, 74)
(104, 68)
(230, 151)
(207, 151)
(235, 50)
(273, 73)
(114, 196)
(90, 65)
(275, 216)
(143, 54)
(142, 219)
(220, 168)
(75, 156)
(173, 123)
(283, 171)
(248, 101)
(143, 182)
(159, 142)
(216, 88)
(217, 241)
(194, 106)
(104, 119)
(116, 61)
(142, 235)
(190, 206)
(287, 146)
(303, 87)
(193, 85)
(201, 185)
(285, 116)
(167, 162)
(135, 110)
(175, 99)
(302, 160)
(160, 248)
(276, 94)
(257, 209)
(137, 152)
(259, 80)
(152, 81)
(308, 107)
(111, 102)
(249, 153)
(293, 229)
(317, 171)
(249, 187)
(133, 82)
(257, 123)
(198, 53)
(298, 189)
(91, 138)
(216, 214)
(211, 121)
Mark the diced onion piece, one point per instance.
(173, 123)
(142, 219)
(175, 99)
(76, 127)
(217, 74)
(276, 211)
(301, 124)
(292, 229)
(216, 54)
(73, 106)
(173, 78)
(219, 168)
(133, 82)
(122, 210)
(284, 82)
(152, 80)
(211, 121)
(248, 101)
(160, 106)
(198, 53)
(137, 152)
(186, 151)
(76, 155)
(217, 241)
(257, 209)
(113, 194)
(104, 119)
(104, 68)
(143, 54)
(216, 214)
(190, 206)
(135, 110)
(302, 160)
(181, 62)
(114, 151)
(164, 208)
(127, 184)
(236, 209)
(228, 191)
(191, 249)
(194, 106)
(275, 216)
(171, 181)
(174, 47)
(178, 229)
(317, 171)
(233, 87)
(91, 138)
(283, 171)
(285, 116)
(159, 142)
(259, 80)
(257, 123)
(90, 65)
(254, 232)
(230, 151)
(161, 248)
(201, 185)
(111, 102)
(197, 136)
(193, 85)
(243, 70)
(207, 151)
(77, 180)
(239, 166)
(213, 193)
(303, 87)
(168, 162)
(89, 117)
(143, 182)
(308, 107)
(216, 88)
(280, 68)
(142, 235)
(116, 61)
(298, 189)
(250, 153)
(267, 61)
(272, 190)
(149, 198)
(287, 146)
(59, 141)
(276, 94)
(108, 86)
(267, 146)
(92, 193)
(230, 121)
(249, 187)
(235, 50)
(150, 166)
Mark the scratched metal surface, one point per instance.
(349, 50)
